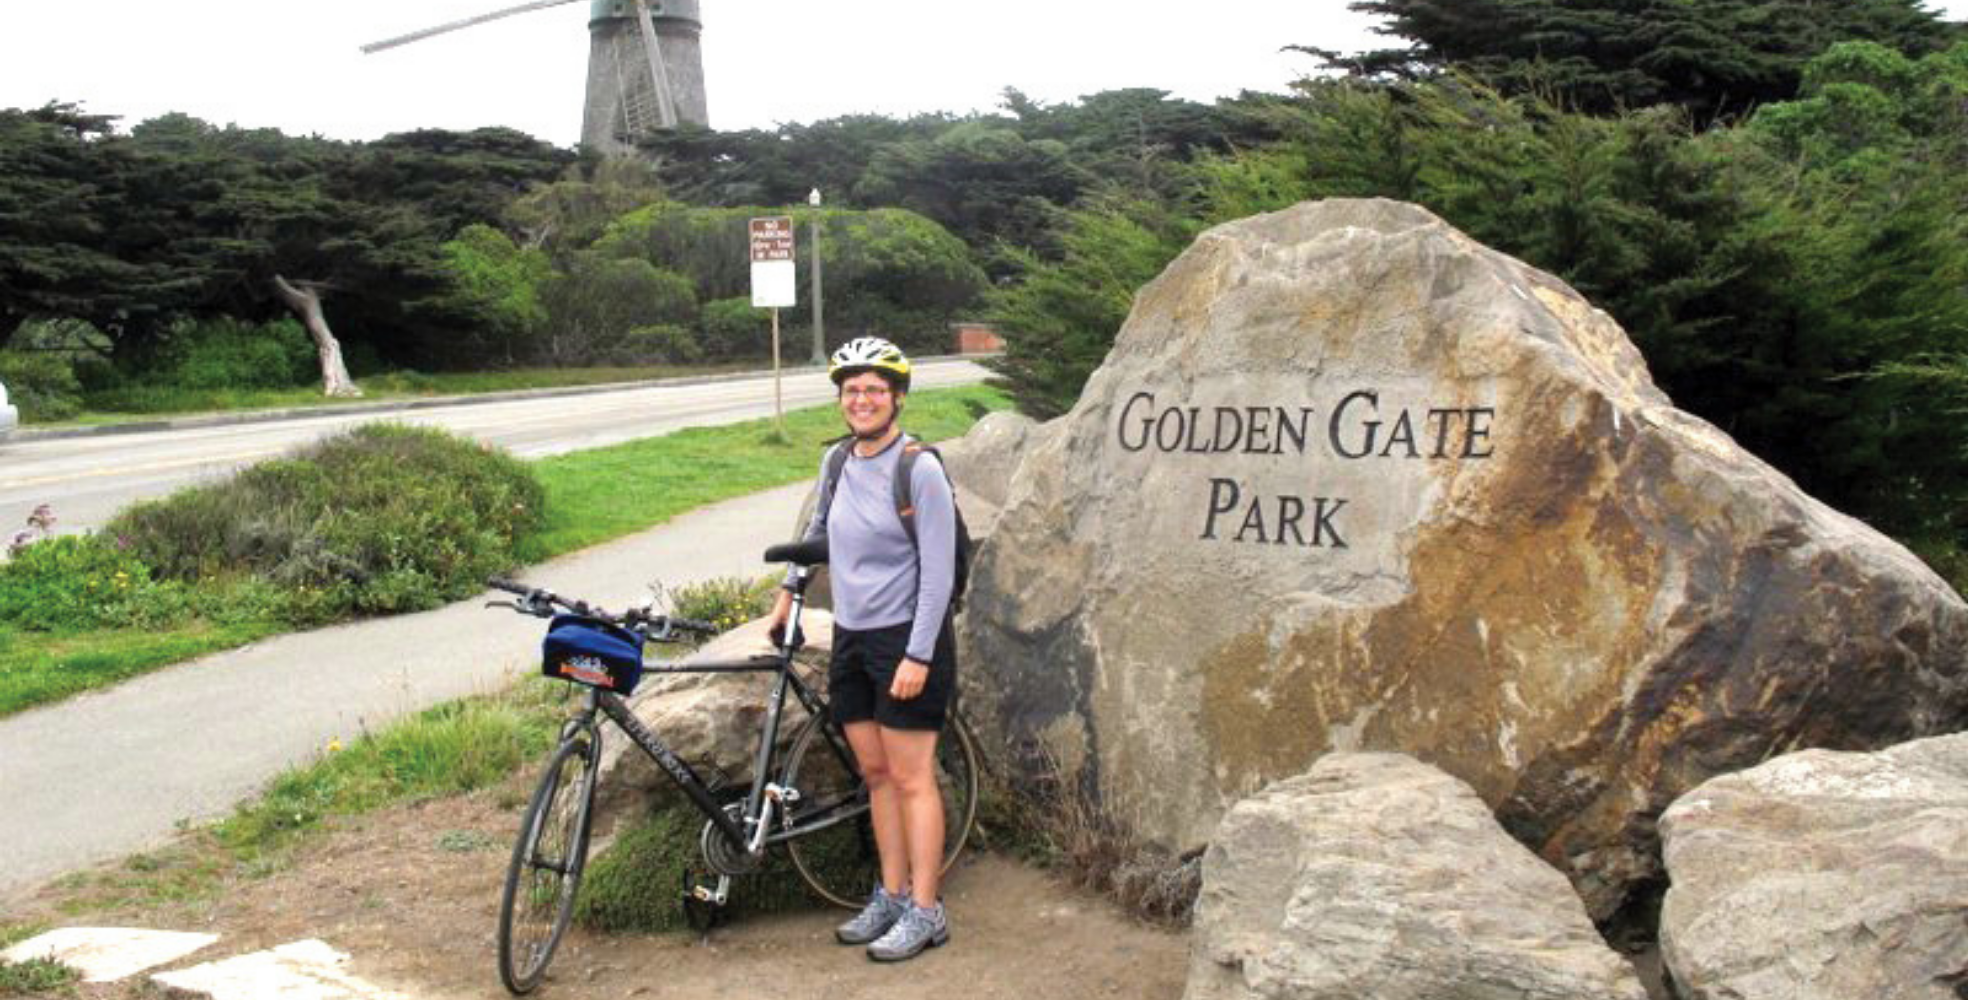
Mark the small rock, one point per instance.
(1823, 876)
(1374, 875)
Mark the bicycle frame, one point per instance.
(764, 794)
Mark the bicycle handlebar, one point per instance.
(540, 603)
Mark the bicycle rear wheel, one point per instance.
(545, 871)
(839, 861)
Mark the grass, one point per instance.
(1061, 825)
(41, 667)
(127, 404)
(34, 976)
(592, 497)
(456, 747)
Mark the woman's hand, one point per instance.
(782, 609)
(909, 679)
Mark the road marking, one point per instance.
(132, 470)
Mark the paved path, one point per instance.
(111, 772)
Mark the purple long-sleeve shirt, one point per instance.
(878, 579)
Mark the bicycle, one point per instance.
(814, 803)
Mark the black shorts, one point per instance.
(864, 665)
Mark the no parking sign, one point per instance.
(774, 284)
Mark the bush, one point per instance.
(498, 285)
(726, 601)
(83, 581)
(381, 519)
(637, 884)
(659, 343)
(42, 383)
(734, 328)
(597, 300)
(226, 353)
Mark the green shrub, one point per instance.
(637, 884)
(726, 601)
(226, 353)
(381, 519)
(659, 343)
(734, 328)
(42, 383)
(594, 303)
(78, 582)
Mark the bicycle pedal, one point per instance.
(704, 905)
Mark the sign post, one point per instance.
(774, 285)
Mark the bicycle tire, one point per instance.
(839, 862)
(545, 871)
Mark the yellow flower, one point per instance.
(335, 745)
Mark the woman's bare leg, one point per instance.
(911, 763)
(884, 803)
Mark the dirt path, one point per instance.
(412, 894)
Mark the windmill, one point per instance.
(645, 66)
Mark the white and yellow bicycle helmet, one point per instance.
(870, 354)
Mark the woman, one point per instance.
(894, 668)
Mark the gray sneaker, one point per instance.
(919, 928)
(874, 920)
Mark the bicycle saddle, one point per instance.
(811, 552)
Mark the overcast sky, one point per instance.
(295, 66)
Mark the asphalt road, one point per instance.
(88, 479)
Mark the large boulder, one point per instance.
(1350, 480)
(1823, 876)
(981, 464)
(1374, 875)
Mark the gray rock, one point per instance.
(1351, 481)
(982, 463)
(1823, 876)
(1377, 876)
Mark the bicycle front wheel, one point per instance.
(839, 861)
(545, 871)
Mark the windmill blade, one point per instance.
(390, 43)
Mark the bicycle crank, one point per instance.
(720, 854)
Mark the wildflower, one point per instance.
(335, 745)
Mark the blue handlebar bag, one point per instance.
(592, 652)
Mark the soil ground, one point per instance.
(412, 894)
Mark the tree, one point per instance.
(502, 287)
(67, 185)
(305, 299)
(1059, 321)
(1712, 57)
(978, 178)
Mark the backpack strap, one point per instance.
(836, 464)
(905, 470)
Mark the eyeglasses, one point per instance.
(872, 392)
